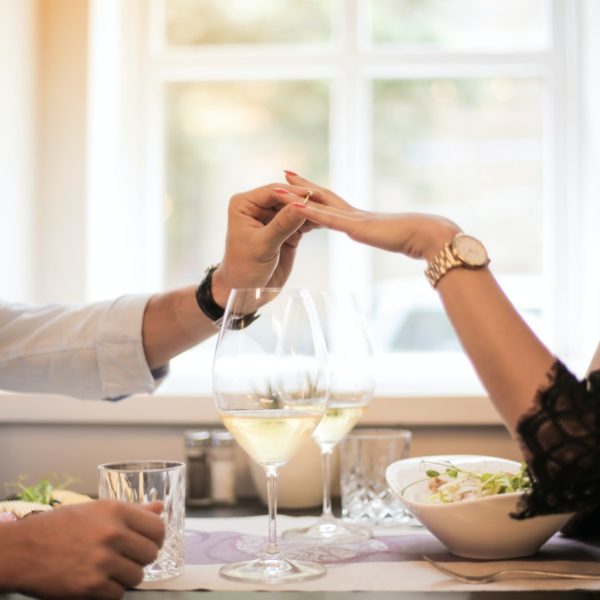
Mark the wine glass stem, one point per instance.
(272, 487)
(326, 471)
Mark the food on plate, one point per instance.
(66, 497)
(43, 496)
(454, 484)
(22, 508)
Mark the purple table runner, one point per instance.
(216, 547)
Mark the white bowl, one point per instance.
(475, 528)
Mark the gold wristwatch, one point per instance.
(463, 251)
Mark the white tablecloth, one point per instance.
(390, 561)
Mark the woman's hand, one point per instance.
(413, 234)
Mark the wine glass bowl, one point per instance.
(349, 348)
(270, 383)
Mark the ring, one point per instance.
(308, 197)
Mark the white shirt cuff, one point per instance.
(120, 350)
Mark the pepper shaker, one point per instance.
(197, 447)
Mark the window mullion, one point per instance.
(563, 225)
(350, 264)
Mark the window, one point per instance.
(463, 108)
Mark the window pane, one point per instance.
(460, 24)
(468, 149)
(227, 137)
(194, 22)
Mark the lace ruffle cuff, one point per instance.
(560, 439)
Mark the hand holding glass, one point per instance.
(148, 481)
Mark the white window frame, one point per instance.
(573, 217)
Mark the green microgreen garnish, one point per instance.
(462, 484)
(40, 492)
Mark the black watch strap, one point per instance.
(212, 310)
(205, 299)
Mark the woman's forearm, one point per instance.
(510, 360)
(512, 363)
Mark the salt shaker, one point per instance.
(197, 447)
(222, 468)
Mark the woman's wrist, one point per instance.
(436, 236)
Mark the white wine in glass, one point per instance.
(270, 383)
(349, 348)
(342, 413)
(270, 437)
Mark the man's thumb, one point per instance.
(285, 223)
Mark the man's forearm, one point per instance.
(173, 323)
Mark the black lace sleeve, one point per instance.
(560, 439)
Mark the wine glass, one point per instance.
(349, 348)
(270, 383)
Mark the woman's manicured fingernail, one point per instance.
(280, 191)
(291, 173)
(299, 204)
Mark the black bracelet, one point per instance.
(211, 309)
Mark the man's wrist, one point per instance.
(219, 289)
(210, 305)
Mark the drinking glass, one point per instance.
(349, 348)
(148, 481)
(270, 383)
(364, 457)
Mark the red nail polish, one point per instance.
(280, 191)
(291, 173)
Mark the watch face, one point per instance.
(470, 250)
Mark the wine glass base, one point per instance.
(329, 531)
(272, 570)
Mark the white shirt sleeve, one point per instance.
(93, 351)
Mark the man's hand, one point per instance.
(94, 550)
(262, 236)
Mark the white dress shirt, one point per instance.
(92, 351)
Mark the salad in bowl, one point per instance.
(448, 482)
(466, 501)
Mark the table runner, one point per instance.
(390, 561)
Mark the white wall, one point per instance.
(60, 214)
(37, 450)
(43, 80)
(18, 21)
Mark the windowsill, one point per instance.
(161, 410)
(412, 390)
